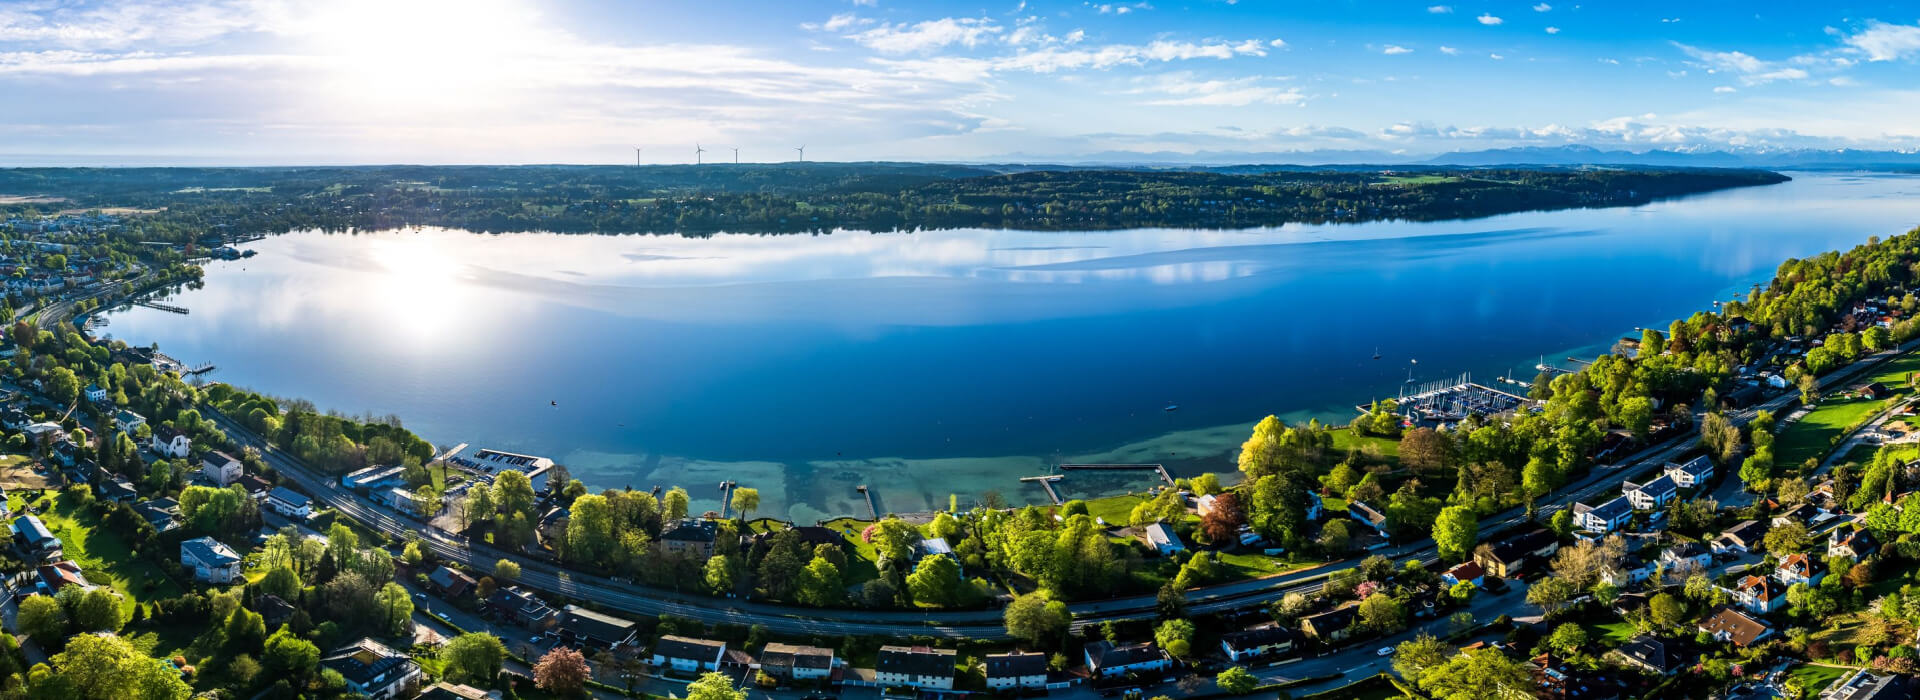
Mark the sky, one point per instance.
(588, 81)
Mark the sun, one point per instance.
(417, 54)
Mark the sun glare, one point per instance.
(419, 54)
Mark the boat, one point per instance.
(1376, 352)
(1172, 407)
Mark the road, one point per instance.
(973, 624)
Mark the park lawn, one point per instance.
(862, 566)
(1894, 372)
(1344, 439)
(1255, 564)
(1116, 510)
(1814, 679)
(1611, 633)
(105, 557)
(1813, 435)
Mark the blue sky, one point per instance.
(519, 81)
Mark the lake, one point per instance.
(953, 362)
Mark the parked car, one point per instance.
(1385, 651)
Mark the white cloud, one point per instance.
(1750, 70)
(1496, 57)
(1440, 9)
(1886, 42)
(1723, 89)
(1395, 50)
(1119, 9)
(1184, 89)
(926, 36)
(1553, 30)
(1543, 7)
(1490, 20)
(1450, 51)
(1278, 43)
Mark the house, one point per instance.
(1692, 473)
(1874, 390)
(374, 670)
(1555, 679)
(918, 667)
(399, 499)
(274, 610)
(1469, 571)
(1164, 540)
(1756, 593)
(687, 654)
(811, 537)
(96, 393)
(1648, 654)
(15, 419)
(1652, 495)
(220, 469)
(372, 478)
(519, 606)
(1850, 542)
(128, 421)
(1257, 641)
(44, 432)
(1799, 568)
(1631, 569)
(1020, 669)
(34, 539)
(1865, 685)
(1686, 556)
(689, 537)
(450, 583)
(58, 575)
(588, 628)
(455, 691)
(1368, 516)
(1805, 514)
(162, 513)
(168, 441)
(553, 524)
(1330, 626)
(1730, 625)
(116, 490)
(210, 560)
(932, 546)
(1740, 538)
(289, 503)
(67, 453)
(1603, 518)
(1514, 555)
(1106, 659)
(804, 663)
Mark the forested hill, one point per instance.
(804, 197)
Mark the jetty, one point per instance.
(873, 511)
(161, 306)
(1161, 469)
(1046, 482)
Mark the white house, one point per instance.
(1799, 568)
(398, 499)
(288, 503)
(1630, 570)
(1686, 556)
(1651, 495)
(803, 663)
(1163, 539)
(919, 667)
(1603, 518)
(374, 670)
(220, 469)
(168, 441)
(1692, 473)
(1738, 539)
(96, 393)
(1757, 594)
(1255, 642)
(35, 539)
(210, 560)
(1020, 669)
(1105, 659)
(128, 421)
(687, 654)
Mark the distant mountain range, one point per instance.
(1572, 155)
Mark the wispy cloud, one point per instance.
(1440, 9)
(1881, 41)
(1185, 89)
(1450, 51)
(1490, 20)
(1395, 50)
(927, 36)
(1543, 7)
(1553, 30)
(1747, 68)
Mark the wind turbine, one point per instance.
(636, 156)
(736, 156)
(697, 150)
(803, 153)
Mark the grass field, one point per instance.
(1343, 439)
(1611, 633)
(1812, 436)
(105, 557)
(1116, 510)
(1814, 679)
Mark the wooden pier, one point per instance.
(1162, 469)
(161, 306)
(1046, 482)
(873, 511)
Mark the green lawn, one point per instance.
(1344, 439)
(1255, 564)
(1894, 372)
(105, 557)
(1611, 633)
(1813, 435)
(1116, 510)
(1814, 679)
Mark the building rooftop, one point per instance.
(1016, 664)
(210, 551)
(916, 661)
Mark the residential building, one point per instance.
(15, 419)
(1106, 659)
(1730, 625)
(168, 441)
(1258, 641)
(1649, 654)
(399, 499)
(688, 654)
(1020, 669)
(1652, 495)
(588, 628)
(59, 575)
(1851, 542)
(162, 513)
(1799, 568)
(689, 537)
(1604, 518)
(1740, 538)
(918, 667)
(1758, 594)
(96, 393)
(211, 560)
(44, 432)
(116, 490)
(220, 469)
(1805, 514)
(128, 421)
(1469, 571)
(1631, 569)
(1330, 626)
(375, 670)
(1691, 473)
(804, 663)
(1512, 556)
(1685, 556)
(519, 606)
(1164, 539)
(1368, 516)
(450, 583)
(1863, 684)
(34, 539)
(290, 503)
(933, 546)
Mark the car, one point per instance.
(1385, 651)
(535, 639)
(419, 596)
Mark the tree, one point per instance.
(746, 500)
(1666, 611)
(1382, 613)
(1206, 484)
(41, 618)
(1222, 522)
(674, 504)
(396, 608)
(107, 666)
(1551, 594)
(1414, 656)
(591, 534)
(1236, 681)
(1455, 532)
(289, 656)
(1035, 619)
(820, 583)
(1335, 536)
(1425, 449)
(1176, 637)
(1477, 674)
(474, 657)
(506, 570)
(719, 573)
(562, 671)
(1568, 638)
(1791, 538)
(936, 581)
(714, 686)
(945, 526)
(280, 581)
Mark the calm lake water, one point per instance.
(953, 362)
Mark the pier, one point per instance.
(1046, 482)
(1162, 469)
(726, 498)
(161, 306)
(873, 511)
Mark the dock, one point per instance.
(201, 368)
(1046, 482)
(726, 498)
(1162, 469)
(161, 306)
(457, 449)
(873, 511)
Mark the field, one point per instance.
(1814, 679)
(104, 557)
(1611, 633)
(1813, 435)
(16, 474)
